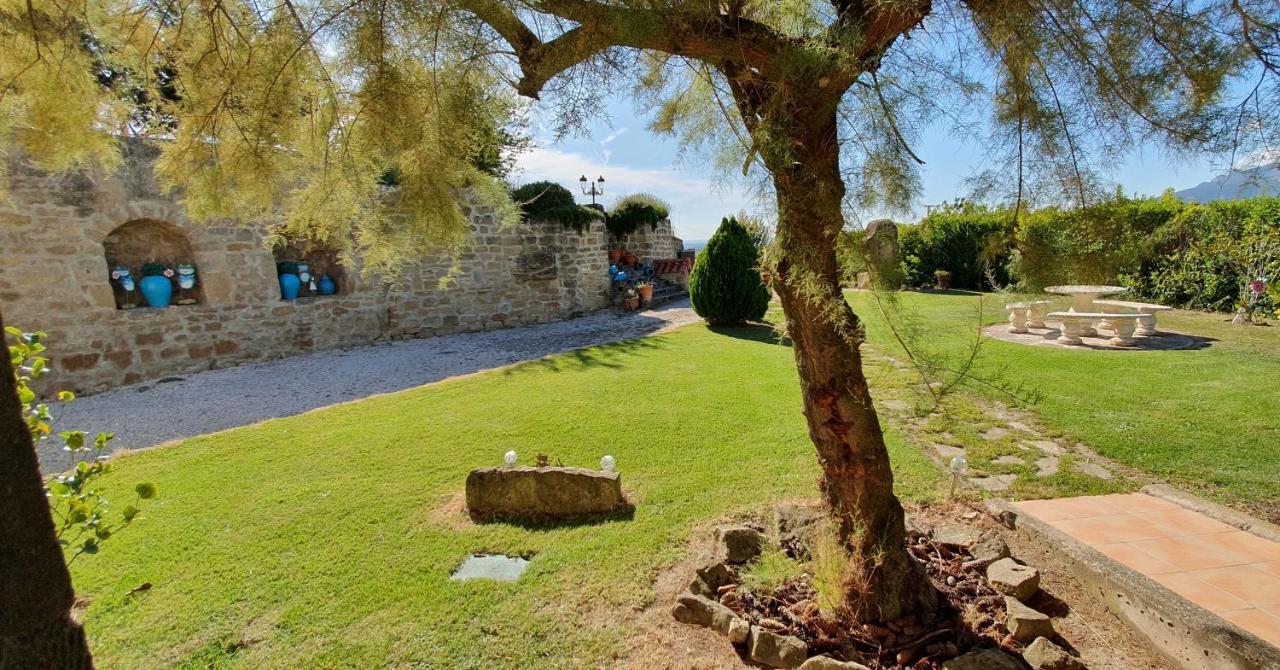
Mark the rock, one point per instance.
(715, 575)
(990, 547)
(776, 651)
(957, 535)
(947, 452)
(828, 663)
(703, 612)
(542, 493)
(1046, 466)
(985, 659)
(699, 587)
(1093, 469)
(1045, 655)
(795, 523)
(994, 482)
(1024, 623)
(994, 433)
(740, 543)
(739, 630)
(1049, 447)
(1013, 579)
(1018, 425)
(1009, 460)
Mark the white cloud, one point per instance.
(1267, 156)
(697, 203)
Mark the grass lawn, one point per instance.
(326, 540)
(1203, 419)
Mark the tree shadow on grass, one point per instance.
(763, 333)
(625, 512)
(612, 355)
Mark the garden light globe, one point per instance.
(510, 458)
(607, 463)
(959, 466)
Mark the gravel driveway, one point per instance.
(144, 415)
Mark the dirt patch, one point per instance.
(450, 514)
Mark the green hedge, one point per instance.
(549, 201)
(1197, 256)
(636, 210)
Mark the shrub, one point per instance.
(725, 285)
(635, 210)
(966, 240)
(770, 571)
(549, 201)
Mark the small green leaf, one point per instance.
(66, 396)
(73, 438)
(131, 512)
(145, 490)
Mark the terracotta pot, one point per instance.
(631, 259)
(615, 255)
(646, 294)
(631, 304)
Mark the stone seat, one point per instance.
(1024, 315)
(1075, 324)
(1147, 312)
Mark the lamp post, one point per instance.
(592, 188)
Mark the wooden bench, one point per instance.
(1146, 312)
(1078, 324)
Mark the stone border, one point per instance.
(1165, 340)
(1263, 529)
(1186, 634)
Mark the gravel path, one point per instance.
(148, 414)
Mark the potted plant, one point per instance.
(629, 259)
(290, 284)
(123, 279)
(615, 255)
(942, 279)
(157, 289)
(631, 300)
(645, 289)
(186, 282)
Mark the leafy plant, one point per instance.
(153, 269)
(80, 511)
(636, 210)
(549, 201)
(770, 570)
(725, 285)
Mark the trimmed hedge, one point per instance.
(725, 286)
(636, 210)
(549, 201)
(966, 240)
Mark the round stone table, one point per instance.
(1082, 297)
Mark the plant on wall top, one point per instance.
(549, 201)
(634, 210)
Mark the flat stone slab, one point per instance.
(1046, 466)
(947, 452)
(993, 482)
(1009, 460)
(542, 494)
(1162, 341)
(1093, 469)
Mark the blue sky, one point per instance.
(631, 159)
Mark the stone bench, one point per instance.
(1024, 315)
(1146, 311)
(543, 494)
(1077, 324)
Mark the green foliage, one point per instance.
(831, 567)
(153, 269)
(725, 285)
(770, 570)
(965, 239)
(549, 201)
(80, 510)
(636, 210)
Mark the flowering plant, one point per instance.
(168, 272)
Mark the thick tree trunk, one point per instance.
(36, 627)
(857, 478)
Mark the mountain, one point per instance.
(1241, 183)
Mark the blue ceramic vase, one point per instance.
(157, 290)
(327, 287)
(289, 286)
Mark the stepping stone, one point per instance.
(994, 433)
(1049, 447)
(994, 482)
(1013, 579)
(1094, 469)
(1009, 460)
(1046, 466)
(895, 405)
(1045, 655)
(957, 535)
(1024, 623)
(947, 452)
(1018, 425)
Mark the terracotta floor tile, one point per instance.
(1256, 621)
(1069, 508)
(1197, 552)
(1112, 528)
(1136, 503)
(1180, 522)
(1272, 567)
(1135, 558)
(1200, 592)
(1246, 582)
(1255, 549)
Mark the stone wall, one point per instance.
(651, 244)
(54, 277)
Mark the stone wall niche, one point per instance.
(136, 243)
(321, 261)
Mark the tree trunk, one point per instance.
(36, 626)
(857, 479)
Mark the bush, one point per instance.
(966, 240)
(725, 286)
(549, 201)
(635, 210)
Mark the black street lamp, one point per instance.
(592, 188)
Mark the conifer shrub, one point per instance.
(725, 285)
